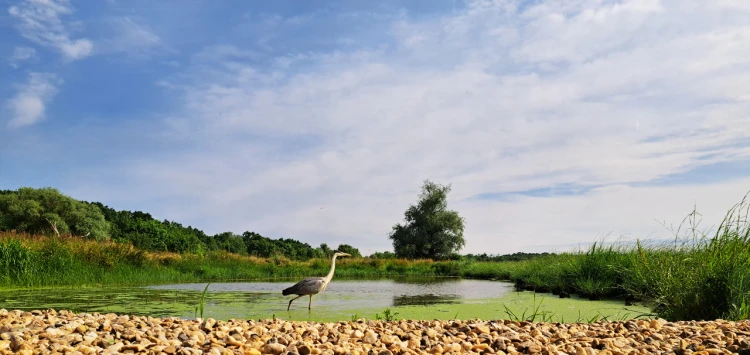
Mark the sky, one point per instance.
(556, 122)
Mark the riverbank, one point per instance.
(66, 332)
(40, 261)
(694, 277)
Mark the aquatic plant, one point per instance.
(534, 315)
(201, 302)
(388, 315)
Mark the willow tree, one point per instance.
(47, 210)
(431, 230)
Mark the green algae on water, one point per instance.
(347, 300)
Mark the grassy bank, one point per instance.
(34, 261)
(695, 277)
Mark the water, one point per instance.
(355, 294)
(422, 298)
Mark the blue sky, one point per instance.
(555, 122)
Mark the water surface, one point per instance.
(413, 298)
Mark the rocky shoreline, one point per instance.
(64, 332)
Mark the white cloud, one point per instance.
(495, 99)
(28, 105)
(40, 21)
(130, 38)
(21, 54)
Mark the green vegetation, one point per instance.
(534, 314)
(352, 251)
(38, 261)
(388, 315)
(37, 211)
(518, 256)
(431, 230)
(46, 211)
(225, 304)
(696, 276)
(202, 303)
(519, 306)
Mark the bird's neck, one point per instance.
(333, 267)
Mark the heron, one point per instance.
(311, 285)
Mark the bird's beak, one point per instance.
(345, 254)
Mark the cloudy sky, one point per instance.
(556, 122)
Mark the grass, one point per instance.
(517, 306)
(201, 303)
(696, 276)
(388, 315)
(37, 261)
(534, 315)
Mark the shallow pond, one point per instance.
(410, 298)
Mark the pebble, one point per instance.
(64, 332)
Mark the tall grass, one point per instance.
(700, 276)
(37, 261)
(696, 276)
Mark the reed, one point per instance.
(37, 261)
(697, 276)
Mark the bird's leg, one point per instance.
(309, 305)
(290, 301)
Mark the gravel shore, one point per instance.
(63, 332)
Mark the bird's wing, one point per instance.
(311, 282)
(306, 286)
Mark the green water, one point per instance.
(411, 298)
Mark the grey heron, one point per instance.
(312, 285)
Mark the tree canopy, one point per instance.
(346, 248)
(36, 211)
(431, 230)
(46, 210)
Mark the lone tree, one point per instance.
(430, 231)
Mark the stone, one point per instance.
(47, 331)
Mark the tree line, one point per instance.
(518, 256)
(430, 230)
(46, 211)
